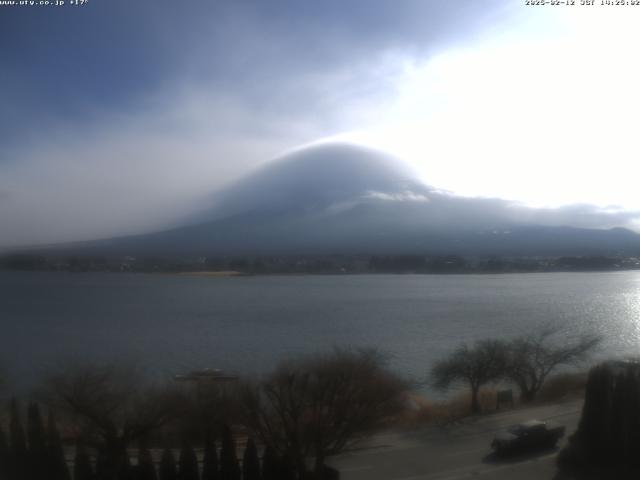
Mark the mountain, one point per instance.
(338, 198)
(314, 179)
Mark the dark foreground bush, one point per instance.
(608, 435)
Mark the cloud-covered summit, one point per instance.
(341, 198)
(314, 178)
(335, 177)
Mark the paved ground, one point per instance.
(455, 452)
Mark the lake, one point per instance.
(174, 323)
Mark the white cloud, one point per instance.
(544, 112)
(406, 196)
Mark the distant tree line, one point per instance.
(525, 361)
(319, 264)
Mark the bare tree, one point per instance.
(476, 365)
(533, 357)
(112, 404)
(320, 405)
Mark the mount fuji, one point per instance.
(341, 198)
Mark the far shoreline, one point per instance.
(334, 264)
(235, 273)
(214, 273)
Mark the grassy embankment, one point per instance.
(559, 388)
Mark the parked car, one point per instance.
(527, 436)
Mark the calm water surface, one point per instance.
(172, 323)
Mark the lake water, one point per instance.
(170, 323)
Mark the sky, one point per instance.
(120, 117)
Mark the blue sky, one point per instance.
(120, 116)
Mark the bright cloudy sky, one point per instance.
(120, 116)
(543, 109)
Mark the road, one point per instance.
(455, 452)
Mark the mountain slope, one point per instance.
(337, 198)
